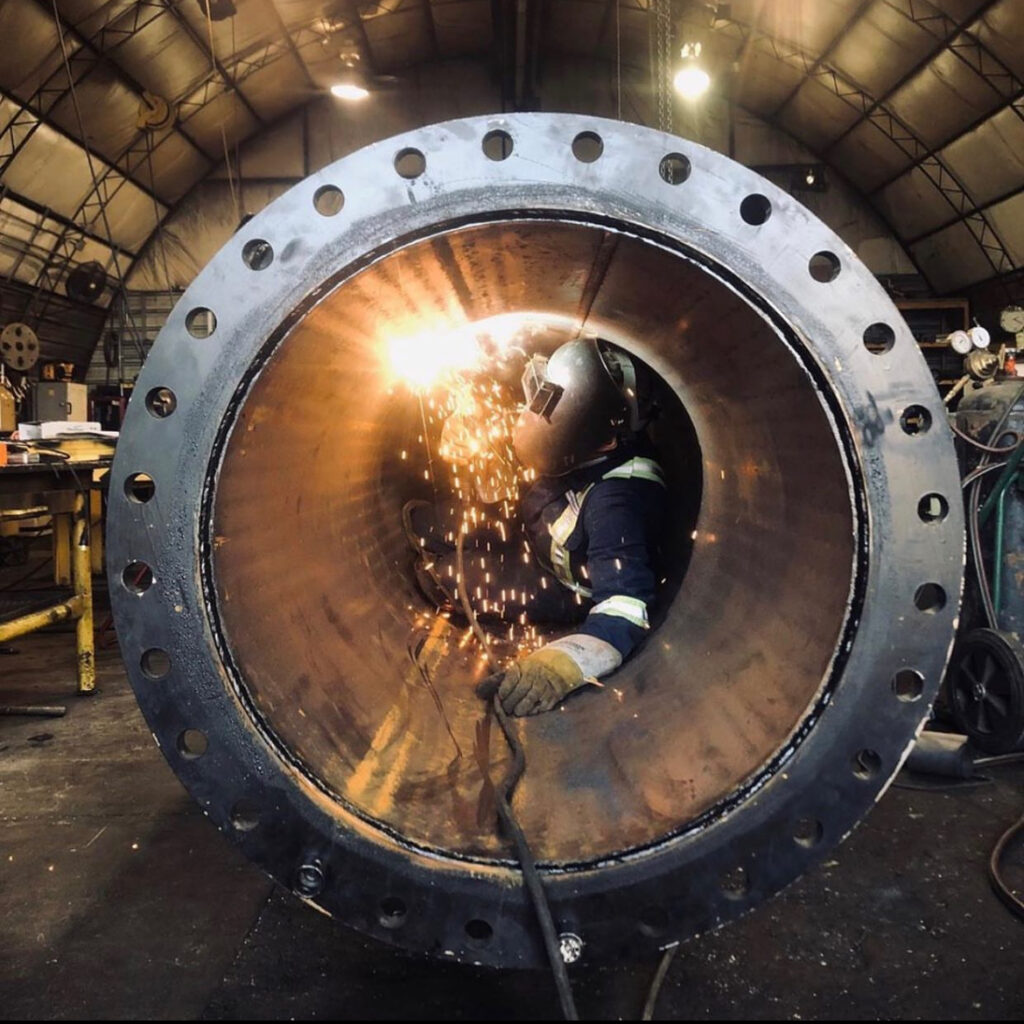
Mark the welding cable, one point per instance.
(974, 535)
(995, 873)
(979, 472)
(531, 876)
(659, 977)
(503, 792)
(990, 449)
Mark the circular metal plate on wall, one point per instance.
(19, 346)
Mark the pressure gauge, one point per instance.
(960, 342)
(979, 336)
(1012, 319)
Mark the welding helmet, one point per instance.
(577, 401)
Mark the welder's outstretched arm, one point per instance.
(622, 518)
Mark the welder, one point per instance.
(593, 518)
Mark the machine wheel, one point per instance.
(986, 690)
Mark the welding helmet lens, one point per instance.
(574, 406)
(541, 395)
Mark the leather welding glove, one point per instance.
(538, 682)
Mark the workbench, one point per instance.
(66, 489)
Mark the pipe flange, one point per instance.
(888, 420)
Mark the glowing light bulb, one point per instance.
(691, 82)
(349, 91)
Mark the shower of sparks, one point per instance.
(467, 413)
(421, 358)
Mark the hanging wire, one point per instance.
(209, 30)
(97, 191)
(161, 242)
(240, 202)
(223, 135)
(231, 180)
(618, 61)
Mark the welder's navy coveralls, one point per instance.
(597, 529)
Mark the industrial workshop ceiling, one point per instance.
(917, 103)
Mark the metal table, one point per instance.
(64, 489)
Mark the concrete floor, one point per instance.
(119, 900)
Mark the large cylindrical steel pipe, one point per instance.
(293, 674)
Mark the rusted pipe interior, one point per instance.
(319, 608)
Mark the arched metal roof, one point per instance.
(918, 103)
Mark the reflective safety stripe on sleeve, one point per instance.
(637, 468)
(632, 609)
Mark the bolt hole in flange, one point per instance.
(257, 254)
(879, 338)
(137, 577)
(908, 685)
(410, 163)
(915, 419)
(155, 663)
(161, 402)
(392, 913)
(587, 147)
(139, 488)
(756, 209)
(866, 764)
(808, 832)
(200, 322)
(497, 145)
(245, 815)
(929, 598)
(328, 200)
(479, 932)
(735, 883)
(674, 168)
(192, 744)
(824, 266)
(933, 508)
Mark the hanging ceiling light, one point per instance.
(349, 91)
(351, 83)
(691, 80)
